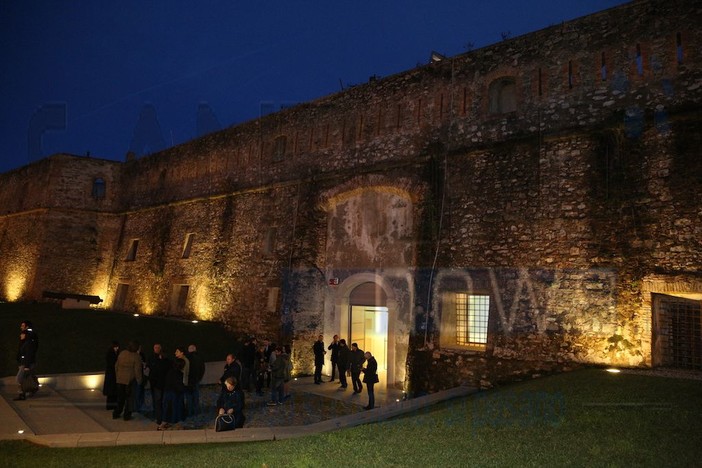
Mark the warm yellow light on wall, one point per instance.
(92, 381)
(203, 307)
(147, 305)
(100, 289)
(15, 285)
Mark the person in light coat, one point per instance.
(128, 369)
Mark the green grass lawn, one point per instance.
(76, 340)
(583, 418)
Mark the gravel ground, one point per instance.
(299, 410)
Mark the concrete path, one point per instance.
(77, 418)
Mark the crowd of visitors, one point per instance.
(347, 361)
(174, 381)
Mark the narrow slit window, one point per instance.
(603, 68)
(269, 242)
(639, 60)
(188, 245)
(541, 89)
(678, 48)
(570, 74)
(132, 252)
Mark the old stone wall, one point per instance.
(555, 172)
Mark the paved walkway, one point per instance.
(77, 418)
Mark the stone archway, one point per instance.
(372, 290)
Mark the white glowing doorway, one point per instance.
(369, 329)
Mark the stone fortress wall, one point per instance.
(557, 172)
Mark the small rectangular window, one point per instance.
(678, 48)
(269, 242)
(603, 68)
(188, 245)
(99, 188)
(471, 319)
(639, 60)
(132, 252)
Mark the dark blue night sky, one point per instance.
(93, 76)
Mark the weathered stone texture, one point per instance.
(560, 207)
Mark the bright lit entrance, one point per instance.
(369, 328)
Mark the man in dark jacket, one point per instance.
(158, 366)
(248, 359)
(334, 348)
(319, 352)
(343, 362)
(232, 368)
(277, 378)
(355, 365)
(26, 358)
(197, 372)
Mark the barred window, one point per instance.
(471, 319)
(464, 320)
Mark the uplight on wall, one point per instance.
(612, 370)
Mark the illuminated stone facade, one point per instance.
(554, 176)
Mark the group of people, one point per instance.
(349, 361)
(265, 364)
(174, 382)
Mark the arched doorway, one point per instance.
(367, 316)
(368, 323)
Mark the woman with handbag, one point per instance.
(370, 378)
(230, 407)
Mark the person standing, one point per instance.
(197, 373)
(158, 365)
(343, 363)
(248, 358)
(173, 391)
(319, 352)
(128, 369)
(356, 361)
(180, 354)
(287, 356)
(109, 384)
(261, 369)
(26, 359)
(370, 378)
(232, 368)
(140, 387)
(334, 348)
(277, 378)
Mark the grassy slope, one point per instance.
(585, 418)
(76, 340)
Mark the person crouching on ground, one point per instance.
(231, 401)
